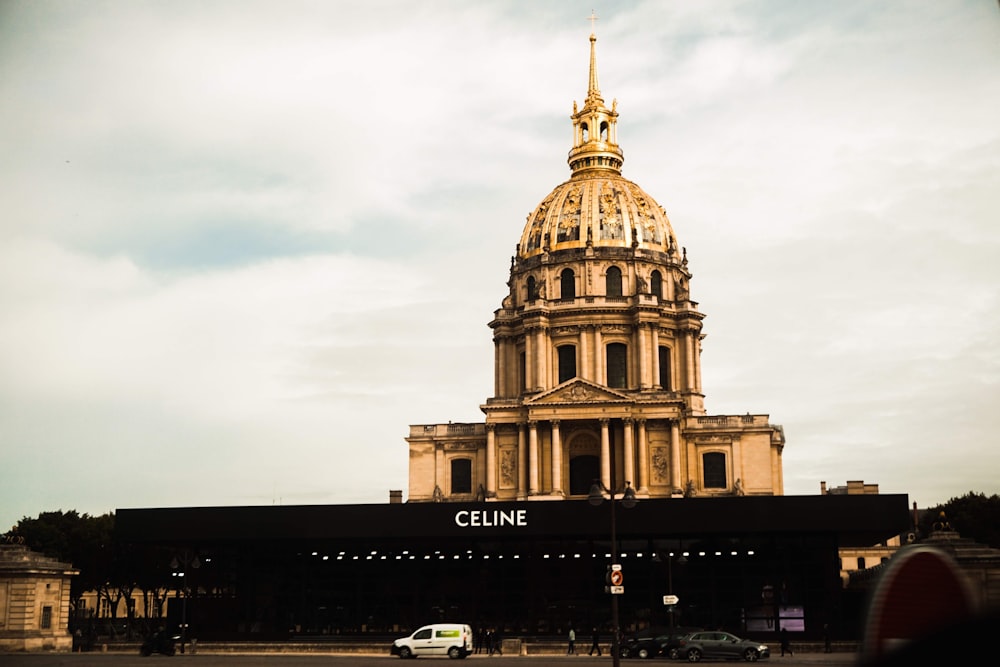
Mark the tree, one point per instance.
(86, 542)
(974, 515)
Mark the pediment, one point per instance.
(579, 391)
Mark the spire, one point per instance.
(595, 127)
(593, 89)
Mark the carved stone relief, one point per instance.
(508, 468)
(584, 443)
(460, 446)
(579, 393)
(647, 228)
(569, 217)
(660, 457)
(612, 225)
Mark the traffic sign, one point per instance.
(617, 590)
(670, 599)
(617, 577)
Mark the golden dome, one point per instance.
(599, 210)
(596, 207)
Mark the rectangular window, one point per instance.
(461, 476)
(665, 368)
(46, 618)
(567, 363)
(617, 365)
(715, 470)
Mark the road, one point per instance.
(299, 660)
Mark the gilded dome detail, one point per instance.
(607, 211)
(596, 207)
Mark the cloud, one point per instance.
(242, 250)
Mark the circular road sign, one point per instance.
(617, 578)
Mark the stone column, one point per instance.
(522, 464)
(491, 461)
(557, 485)
(605, 454)
(691, 342)
(542, 348)
(654, 329)
(529, 360)
(533, 462)
(584, 368)
(499, 386)
(643, 482)
(598, 356)
(643, 358)
(675, 458)
(697, 362)
(628, 444)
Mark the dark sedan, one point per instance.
(653, 642)
(716, 644)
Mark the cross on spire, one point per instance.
(592, 18)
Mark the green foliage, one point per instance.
(975, 516)
(86, 542)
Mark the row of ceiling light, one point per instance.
(469, 555)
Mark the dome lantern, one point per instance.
(595, 129)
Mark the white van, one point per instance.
(451, 639)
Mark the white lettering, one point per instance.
(490, 518)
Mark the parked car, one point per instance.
(159, 642)
(672, 648)
(654, 642)
(451, 639)
(715, 644)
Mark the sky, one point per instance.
(244, 245)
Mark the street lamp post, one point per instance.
(668, 556)
(628, 500)
(180, 564)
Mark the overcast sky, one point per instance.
(244, 245)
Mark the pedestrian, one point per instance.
(785, 646)
(479, 639)
(826, 638)
(489, 641)
(572, 642)
(497, 641)
(596, 644)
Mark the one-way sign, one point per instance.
(670, 599)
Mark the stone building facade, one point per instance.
(597, 357)
(34, 601)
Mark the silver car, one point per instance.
(716, 644)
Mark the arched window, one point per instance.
(604, 131)
(656, 284)
(567, 285)
(461, 476)
(532, 288)
(585, 130)
(613, 281)
(567, 362)
(714, 465)
(665, 368)
(617, 365)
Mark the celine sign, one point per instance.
(490, 518)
